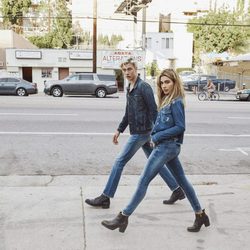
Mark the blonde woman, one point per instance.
(167, 137)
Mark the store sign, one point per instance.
(77, 55)
(28, 54)
(113, 59)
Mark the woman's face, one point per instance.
(167, 85)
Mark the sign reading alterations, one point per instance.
(113, 59)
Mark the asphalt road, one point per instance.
(42, 135)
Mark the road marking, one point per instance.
(240, 117)
(35, 114)
(108, 134)
(241, 150)
(217, 135)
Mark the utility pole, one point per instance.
(94, 34)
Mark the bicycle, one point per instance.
(210, 96)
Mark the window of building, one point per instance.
(148, 42)
(47, 72)
(167, 43)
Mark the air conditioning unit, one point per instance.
(1, 63)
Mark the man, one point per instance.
(140, 115)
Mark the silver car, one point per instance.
(99, 85)
(16, 86)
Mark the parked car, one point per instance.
(99, 85)
(243, 95)
(16, 86)
(200, 82)
(196, 80)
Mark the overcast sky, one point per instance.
(106, 8)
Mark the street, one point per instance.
(42, 135)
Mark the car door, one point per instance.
(3, 85)
(70, 84)
(11, 85)
(87, 84)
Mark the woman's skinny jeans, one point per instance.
(134, 143)
(167, 153)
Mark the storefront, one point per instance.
(38, 65)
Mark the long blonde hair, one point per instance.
(178, 90)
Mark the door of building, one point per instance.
(27, 73)
(63, 72)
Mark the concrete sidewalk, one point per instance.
(49, 213)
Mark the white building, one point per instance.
(169, 50)
(38, 65)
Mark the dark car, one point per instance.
(196, 80)
(243, 95)
(99, 85)
(200, 81)
(16, 86)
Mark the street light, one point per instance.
(132, 7)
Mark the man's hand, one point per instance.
(115, 137)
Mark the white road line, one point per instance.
(241, 150)
(240, 117)
(217, 135)
(108, 134)
(35, 114)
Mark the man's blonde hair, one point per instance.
(129, 61)
(178, 90)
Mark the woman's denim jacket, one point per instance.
(141, 109)
(170, 123)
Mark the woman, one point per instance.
(167, 137)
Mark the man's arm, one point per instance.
(149, 99)
(124, 123)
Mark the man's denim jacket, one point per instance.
(170, 123)
(141, 110)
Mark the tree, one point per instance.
(61, 33)
(13, 11)
(62, 26)
(219, 31)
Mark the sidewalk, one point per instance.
(49, 213)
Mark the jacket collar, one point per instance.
(138, 79)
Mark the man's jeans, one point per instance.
(167, 153)
(134, 143)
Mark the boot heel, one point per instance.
(123, 228)
(207, 223)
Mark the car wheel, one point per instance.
(101, 93)
(57, 92)
(21, 92)
(226, 89)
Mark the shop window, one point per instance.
(47, 72)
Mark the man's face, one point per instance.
(130, 72)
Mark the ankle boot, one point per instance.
(178, 194)
(120, 221)
(100, 201)
(200, 219)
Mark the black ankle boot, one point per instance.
(100, 201)
(120, 221)
(178, 194)
(200, 219)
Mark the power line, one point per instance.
(138, 20)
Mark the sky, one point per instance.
(106, 8)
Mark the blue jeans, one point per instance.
(167, 153)
(134, 143)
